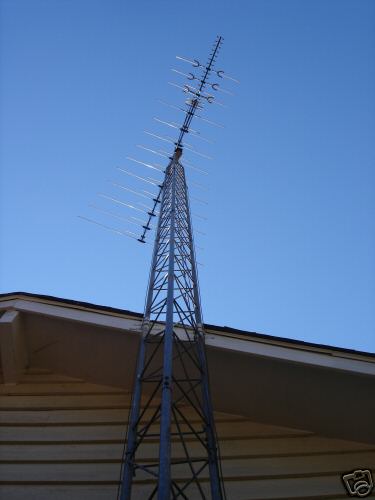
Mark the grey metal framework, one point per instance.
(171, 440)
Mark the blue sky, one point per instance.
(289, 244)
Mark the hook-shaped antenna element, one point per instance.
(221, 74)
(189, 76)
(193, 62)
(218, 88)
(196, 64)
(189, 89)
(194, 103)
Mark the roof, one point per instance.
(269, 379)
(222, 329)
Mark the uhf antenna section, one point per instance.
(198, 97)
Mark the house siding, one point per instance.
(63, 438)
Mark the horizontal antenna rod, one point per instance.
(191, 131)
(149, 180)
(108, 228)
(115, 200)
(165, 155)
(186, 111)
(131, 220)
(157, 167)
(131, 190)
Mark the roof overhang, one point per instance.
(325, 390)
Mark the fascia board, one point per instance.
(73, 314)
(329, 360)
(266, 350)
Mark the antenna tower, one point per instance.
(171, 408)
(171, 449)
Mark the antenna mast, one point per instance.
(171, 449)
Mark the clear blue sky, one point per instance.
(290, 242)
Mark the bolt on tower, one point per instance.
(172, 449)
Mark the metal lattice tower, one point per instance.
(171, 408)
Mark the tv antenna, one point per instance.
(171, 447)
